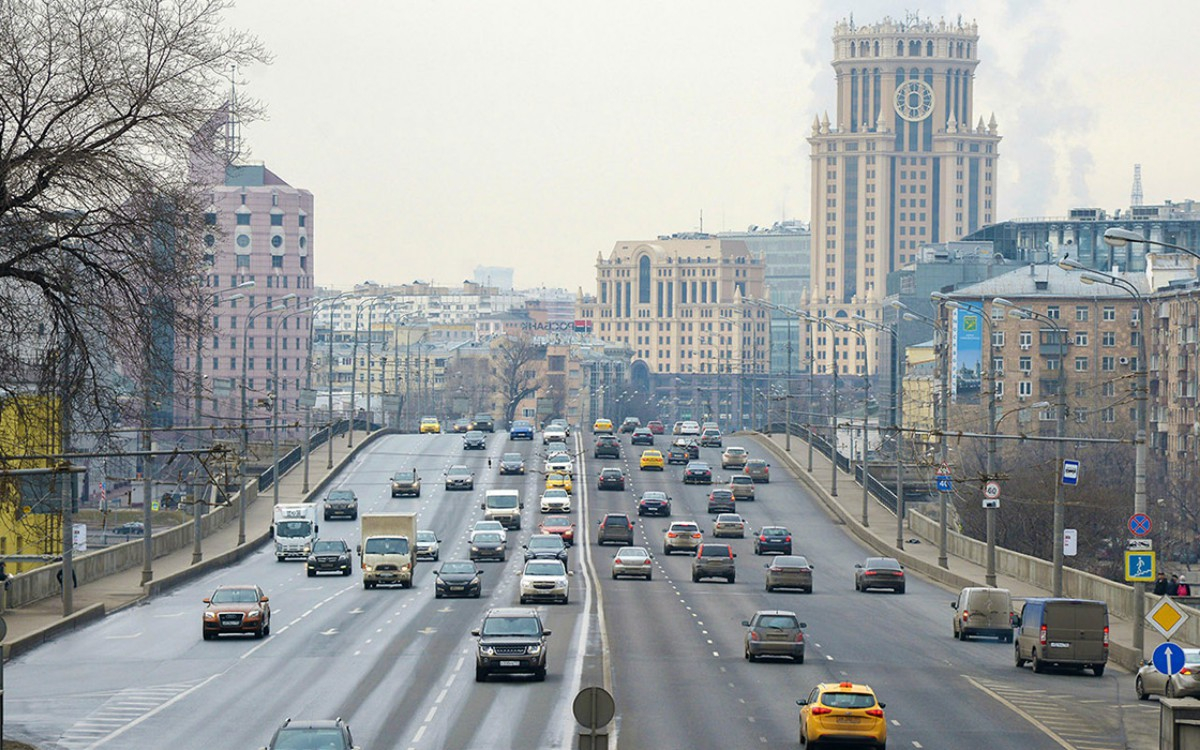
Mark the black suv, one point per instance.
(642, 436)
(615, 527)
(329, 555)
(341, 503)
(608, 445)
(483, 423)
(325, 733)
(511, 641)
(611, 478)
(629, 425)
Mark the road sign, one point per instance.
(991, 490)
(1139, 524)
(944, 470)
(945, 484)
(991, 503)
(1139, 566)
(594, 707)
(1070, 472)
(1139, 544)
(1168, 658)
(1166, 617)
(1070, 542)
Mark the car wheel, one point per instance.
(1140, 689)
(207, 635)
(900, 590)
(799, 659)
(1037, 663)
(695, 578)
(1098, 670)
(1017, 660)
(749, 656)
(312, 573)
(480, 673)
(614, 576)
(477, 594)
(768, 587)
(540, 675)
(437, 595)
(437, 557)
(258, 632)
(666, 550)
(267, 628)
(731, 579)
(649, 575)
(566, 599)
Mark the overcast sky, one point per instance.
(438, 135)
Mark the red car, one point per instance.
(560, 525)
(656, 427)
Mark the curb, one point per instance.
(68, 624)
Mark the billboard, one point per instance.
(966, 354)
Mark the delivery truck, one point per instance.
(389, 549)
(294, 529)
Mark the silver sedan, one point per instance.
(1150, 681)
(633, 561)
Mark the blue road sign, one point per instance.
(1168, 658)
(1139, 524)
(945, 483)
(1070, 472)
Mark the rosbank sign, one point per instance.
(559, 325)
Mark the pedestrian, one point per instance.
(74, 578)
(1184, 589)
(1160, 584)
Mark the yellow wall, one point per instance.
(29, 425)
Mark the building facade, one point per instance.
(900, 166)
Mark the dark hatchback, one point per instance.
(607, 446)
(677, 454)
(457, 578)
(641, 436)
(776, 539)
(697, 472)
(654, 503)
(483, 423)
(611, 479)
(721, 500)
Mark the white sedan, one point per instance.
(556, 501)
(545, 580)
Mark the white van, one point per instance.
(983, 611)
(504, 506)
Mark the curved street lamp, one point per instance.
(897, 413)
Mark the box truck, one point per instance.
(389, 548)
(295, 529)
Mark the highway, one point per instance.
(397, 664)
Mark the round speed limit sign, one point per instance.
(991, 490)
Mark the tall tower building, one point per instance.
(900, 166)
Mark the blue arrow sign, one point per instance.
(945, 484)
(1168, 658)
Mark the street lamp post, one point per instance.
(370, 368)
(831, 326)
(866, 466)
(275, 399)
(897, 411)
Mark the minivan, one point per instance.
(1062, 632)
(983, 611)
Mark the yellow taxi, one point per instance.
(651, 459)
(602, 426)
(430, 426)
(842, 712)
(555, 480)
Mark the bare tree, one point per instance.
(105, 109)
(517, 376)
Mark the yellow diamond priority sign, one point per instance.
(1166, 617)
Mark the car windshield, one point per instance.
(556, 492)
(654, 495)
(403, 476)
(546, 542)
(616, 521)
(487, 537)
(502, 501)
(234, 596)
(489, 526)
(309, 739)
(293, 528)
(386, 546)
(774, 531)
(721, 493)
(728, 518)
(526, 626)
(632, 552)
(715, 550)
(778, 621)
(735, 451)
(545, 568)
(457, 567)
(426, 536)
(740, 480)
(475, 434)
(848, 700)
(512, 457)
(882, 563)
(611, 473)
(341, 495)
(319, 547)
(459, 471)
(789, 561)
(684, 527)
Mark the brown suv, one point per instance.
(615, 528)
(713, 561)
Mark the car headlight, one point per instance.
(403, 568)
(210, 615)
(367, 569)
(474, 548)
(534, 650)
(487, 650)
(307, 549)
(253, 613)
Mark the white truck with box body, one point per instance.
(294, 529)
(503, 506)
(388, 549)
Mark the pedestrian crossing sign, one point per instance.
(1139, 566)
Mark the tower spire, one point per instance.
(1135, 195)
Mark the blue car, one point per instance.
(520, 430)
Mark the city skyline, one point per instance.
(455, 143)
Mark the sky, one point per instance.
(441, 135)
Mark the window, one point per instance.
(1000, 389)
(1052, 312)
(1081, 364)
(243, 261)
(1025, 388)
(1081, 338)
(1108, 364)
(1108, 389)
(1081, 415)
(1081, 313)
(1109, 313)
(998, 366)
(1108, 415)
(1025, 364)
(276, 261)
(1052, 363)
(243, 220)
(998, 338)
(1026, 339)
(1108, 338)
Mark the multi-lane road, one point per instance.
(397, 664)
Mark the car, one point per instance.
(742, 487)
(488, 545)
(429, 547)
(842, 712)
(1183, 684)
(552, 433)
(710, 438)
(983, 611)
(629, 424)
(131, 528)
(632, 561)
(758, 470)
(482, 525)
(615, 528)
(341, 504)
(656, 427)
(734, 457)
(774, 632)
(729, 524)
(775, 539)
(677, 428)
(511, 641)
(483, 423)
(322, 734)
(560, 525)
(460, 477)
(237, 609)
(682, 536)
(651, 460)
(329, 556)
(789, 572)
(406, 483)
(556, 481)
(607, 446)
(555, 500)
(654, 503)
(560, 463)
(691, 445)
(689, 427)
(720, 500)
(641, 436)
(677, 454)
(556, 446)
(430, 426)
(714, 561)
(512, 463)
(520, 429)
(462, 425)
(602, 426)
(545, 580)
(709, 426)
(457, 578)
(562, 425)
(697, 472)
(545, 547)
(879, 573)
(610, 478)
(474, 441)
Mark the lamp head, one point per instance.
(1040, 405)
(1067, 264)
(1002, 302)
(1089, 279)
(1118, 237)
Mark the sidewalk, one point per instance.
(33, 624)
(922, 558)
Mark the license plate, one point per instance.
(510, 663)
(457, 588)
(847, 720)
(1060, 645)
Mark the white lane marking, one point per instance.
(420, 733)
(917, 745)
(429, 716)
(441, 696)
(123, 637)
(830, 658)
(122, 730)
(1020, 712)
(895, 723)
(716, 654)
(461, 660)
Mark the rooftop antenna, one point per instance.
(1135, 197)
(233, 126)
(702, 221)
